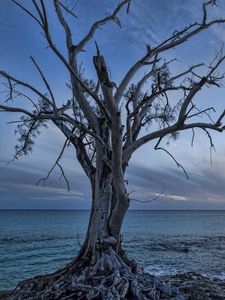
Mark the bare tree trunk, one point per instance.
(101, 183)
(117, 217)
(121, 197)
(101, 203)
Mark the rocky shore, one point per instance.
(193, 285)
(198, 287)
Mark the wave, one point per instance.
(220, 276)
(164, 271)
(158, 270)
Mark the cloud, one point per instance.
(18, 189)
(205, 189)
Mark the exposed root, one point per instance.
(106, 276)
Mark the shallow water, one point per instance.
(164, 242)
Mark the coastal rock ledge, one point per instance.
(198, 287)
(187, 286)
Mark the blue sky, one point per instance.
(150, 171)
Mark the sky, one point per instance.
(150, 172)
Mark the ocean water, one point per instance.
(163, 242)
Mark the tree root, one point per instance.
(107, 276)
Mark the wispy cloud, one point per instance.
(18, 189)
(204, 189)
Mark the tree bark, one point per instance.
(101, 203)
(117, 217)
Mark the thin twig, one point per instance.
(163, 149)
(211, 144)
(44, 179)
(69, 11)
(151, 200)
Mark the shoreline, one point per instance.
(197, 286)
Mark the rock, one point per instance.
(198, 287)
(185, 250)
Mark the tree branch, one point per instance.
(211, 143)
(69, 11)
(148, 201)
(177, 163)
(178, 38)
(64, 24)
(45, 82)
(44, 179)
(81, 99)
(197, 87)
(96, 25)
(163, 132)
(27, 11)
(25, 84)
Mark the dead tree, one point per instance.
(105, 123)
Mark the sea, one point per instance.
(34, 242)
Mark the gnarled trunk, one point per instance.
(100, 210)
(107, 214)
(101, 270)
(117, 217)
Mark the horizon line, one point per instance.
(59, 209)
